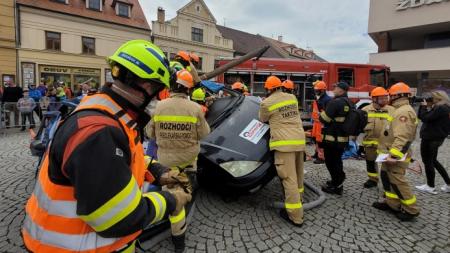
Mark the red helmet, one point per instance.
(194, 58)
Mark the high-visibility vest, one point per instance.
(316, 131)
(51, 222)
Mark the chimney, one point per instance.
(280, 38)
(161, 15)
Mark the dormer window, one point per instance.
(123, 9)
(94, 5)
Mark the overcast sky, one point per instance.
(335, 30)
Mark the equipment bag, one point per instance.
(355, 121)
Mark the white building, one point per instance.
(413, 38)
(192, 30)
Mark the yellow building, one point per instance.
(194, 29)
(7, 42)
(69, 40)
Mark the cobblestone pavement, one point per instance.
(341, 224)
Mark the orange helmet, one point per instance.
(288, 84)
(237, 86)
(272, 82)
(164, 94)
(184, 55)
(185, 78)
(194, 58)
(399, 88)
(320, 85)
(379, 92)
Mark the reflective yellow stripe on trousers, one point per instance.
(177, 218)
(391, 195)
(274, 144)
(293, 205)
(408, 202)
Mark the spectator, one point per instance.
(85, 87)
(68, 92)
(11, 96)
(435, 128)
(42, 88)
(60, 94)
(26, 106)
(36, 95)
(52, 103)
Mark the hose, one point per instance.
(309, 205)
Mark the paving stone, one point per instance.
(341, 224)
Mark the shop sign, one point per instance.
(54, 69)
(84, 71)
(407, 4)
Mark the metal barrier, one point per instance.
(25, 114)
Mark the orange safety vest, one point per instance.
(316, 131)
(51, 223)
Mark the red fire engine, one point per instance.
(361, 77)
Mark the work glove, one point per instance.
(181, 196)
(172, 178)
(156, 169)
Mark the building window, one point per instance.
(94, 4)
(217, 39)
(123, 10)
(53, 41)
(346, 75)
(61, 1)
(197, 34)
(200, 63)
(88, 45)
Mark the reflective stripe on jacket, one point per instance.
(400, 133)
(52, 223)
(376, 123)
(280, 109)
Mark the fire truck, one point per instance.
(361, 77)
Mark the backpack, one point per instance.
(355, 121)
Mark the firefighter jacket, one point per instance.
(280, 109)
(178, 125)
(332, 118)
(88, 194)
(376, 123)
(399, 134)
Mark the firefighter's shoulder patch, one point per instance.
(346, 108)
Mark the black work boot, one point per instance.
(404, 216)
(383, 206)
(178, 242)
(370, 184)
(338, 190)
(319, 161)
(284, 215)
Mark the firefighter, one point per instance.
(379, 114)
(396, 142)
(238, 86)
(318, 106)
(287, 139)
(334, 139)
(177, 126)
(183, 60)
(288, 86)
(199, 96)
(88, 194)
